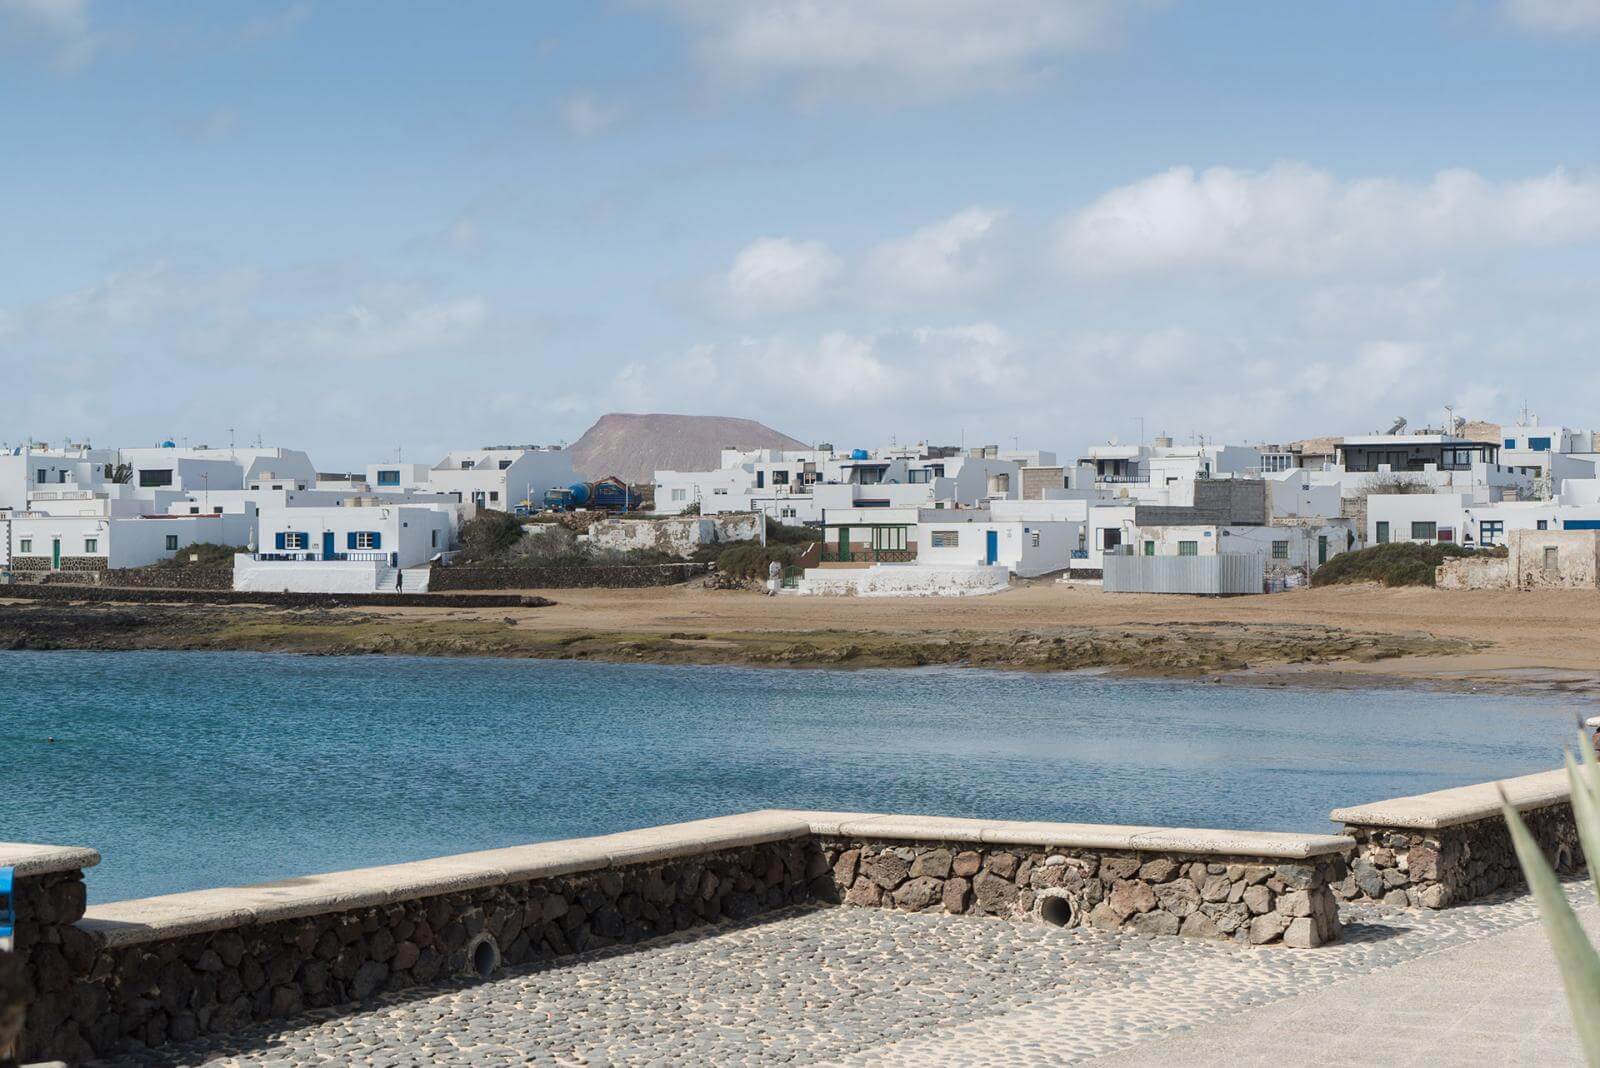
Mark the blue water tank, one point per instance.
(580, 494)
(860, 454)
(169, 445)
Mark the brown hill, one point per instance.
(634, 447)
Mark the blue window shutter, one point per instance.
(377, 540)
(350, 540)
(280, 538)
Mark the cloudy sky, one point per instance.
(363, 226)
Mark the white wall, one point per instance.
(903, 580)
(320, 576)
(408, 534)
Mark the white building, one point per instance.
(502, 478)
(41, 542)
(361, 546)
(974, 537)
(1462, 519)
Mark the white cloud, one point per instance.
(62, 27)
(1295, 218)
(1553, 16)
(951, 256)
(586, 116)
(889, 51)
(776, 275)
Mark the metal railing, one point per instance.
(1118, 479)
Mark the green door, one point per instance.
(1322, 549)
(844, 543)
(1149, 548)
(55, 554)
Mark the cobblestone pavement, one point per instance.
(852, 986)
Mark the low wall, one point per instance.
(561, 578)
(1452, 846)
(675, 535)
(103, 594)
(1474, 573)
(141, 973)
(1257, 888)
(904, 580)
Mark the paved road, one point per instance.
(869, 986)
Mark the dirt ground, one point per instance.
(1547, 637)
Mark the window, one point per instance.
(1544, 524)
(388, 478)
(504, 464)
(1149, 548)
(365, 539)
(680, 494)
(1490, 531)
(1280, 550)
(1539, 444)
(1383, 532)
(25, 545)
(1110, 538)
(294, 539)
(946, 539)
(1034, 535)
(433, 539)
(780, 478)
(172, 543)
(917, 475)
(194, 510)
(1511, 443)
(42, 475)
(1188, 548)
(91, 545)
(888, 538)
(494, 495)
(156, 477)
(719, 492)
(1424, 531)
(466, 465)
(217, 510)
(1447, 534)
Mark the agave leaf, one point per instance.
(1586, 806)
(1576, 957)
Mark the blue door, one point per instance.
(327, 545)
(991, 544)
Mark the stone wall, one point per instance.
(1452, 865)
(1245, 899)
(1452, 846)
(106, 594)
(1474, 573)
(677, 536)
(103, 992)
(561, 578)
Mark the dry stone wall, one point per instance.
(1239, 898)
(468, 577)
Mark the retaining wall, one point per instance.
(561, 578)
(1451, 846)
(905, 580)
(134, 974)
(1250, 887)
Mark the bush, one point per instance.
(210, 554)
(784, 534)
(489, 534)
(1401, 563)
(750, 560)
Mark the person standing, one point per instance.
(774, 576)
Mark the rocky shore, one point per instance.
(1178, 649)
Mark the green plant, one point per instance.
(210, 555)
(489, 534)
(1400, 563)
(1575, 954)
(750, 560)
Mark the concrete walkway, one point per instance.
(1497, 1001)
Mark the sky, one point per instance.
(362, 227)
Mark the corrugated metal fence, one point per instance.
(1222, 573)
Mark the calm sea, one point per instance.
(189, 770)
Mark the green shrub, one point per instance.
(489, 535)
(210, 554)
(784, 534)
(1400, 563)
(750, 560)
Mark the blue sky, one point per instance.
(363, 226)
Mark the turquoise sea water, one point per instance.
(189, 770)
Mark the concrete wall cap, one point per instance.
(126, 923)
(30, 859)
(1462, 804)
(1108, 836)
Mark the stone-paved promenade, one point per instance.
(869, 986)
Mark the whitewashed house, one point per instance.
(501, 478)
(361, 546)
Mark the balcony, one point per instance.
(301, 556)
(1115, 480)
